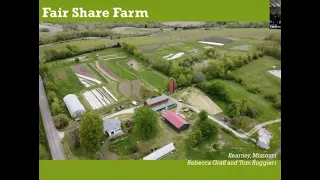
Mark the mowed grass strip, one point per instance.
(239, 93)
(66, 81)
(256, 73)
(156, 80)
(117, 69)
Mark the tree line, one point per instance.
(72, 50)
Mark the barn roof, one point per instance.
(160, 152)
(73, 104)
(156, 99)
(168, 103)
(175, 119)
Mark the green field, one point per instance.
(135, 31)
(238, 92)
(69, 84)
(83, 45)
(167, 37)
(256, 73)
(122, 69)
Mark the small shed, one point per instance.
(112, 127)
(176, 121)
(160, 152)
(74, 106)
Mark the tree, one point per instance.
(56, 107)
(91, 131)
(43, 70)
(98, 156)
(61, 121)
(189, 78)
(203, 115)
(51, 95)
(207, 128)
(214, 69)
(198, 77)
(234, 109)
(145, 123)
(74, 139)
(51, 86)
(182, 81)
(195, 137)
(77, 60)
(43, 153)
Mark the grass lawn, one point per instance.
(66, 81)
(214, 148)
(148, 75)
(264, 107)
(122, 147)
(256, 73)
(117, 69)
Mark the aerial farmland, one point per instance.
(232, 75)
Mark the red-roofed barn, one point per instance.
(176, 121)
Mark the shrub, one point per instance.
(77, 60)
(61, 121)
(271, 97)
(254, 89)
(98, 156)
(277, 105)
(134, 149)
(195, 137)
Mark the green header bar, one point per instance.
(146, 10)
(146, 170)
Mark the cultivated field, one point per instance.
(125, 88)
(135, 31)
(136, 87)
(99, 97)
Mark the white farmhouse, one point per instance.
(112, 127)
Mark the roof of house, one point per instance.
(275, 3)
(160, 152)
(168, 103)
(110, 125)
(73, 104)
(175, 119)
(156, 99)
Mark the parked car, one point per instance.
(121, 106)
(134, 103)
(118, 108)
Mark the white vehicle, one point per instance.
(134, 103)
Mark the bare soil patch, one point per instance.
(83, 70)
(134, 65)
(107, 72)
(125, 88)
(216, 40)
(136, 88)
(199, 100)
(151, 48)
